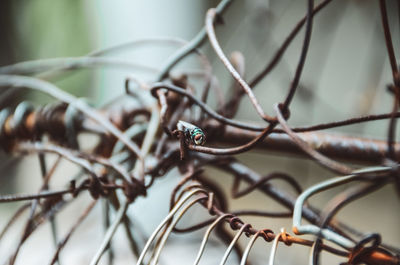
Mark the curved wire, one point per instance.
(323, 160)
(313, 258)
(250, 127)
(235, 239)
(303, 55)
(191, 46)
(68, 63)
(129, 44)
(249, 246)
(282, 48)
(274, 247)
(325, 233)
(166, 220)
(211, 14)
(235, 150)
(171, 227)
(64, 152)
(110, 233)
(155, 87)
(63, 242)
(207, 235)
(12, 220)
(52, 90)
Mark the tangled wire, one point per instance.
(167, 127)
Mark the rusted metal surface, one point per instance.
(342, 147)
(141, 142)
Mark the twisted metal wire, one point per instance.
(143, 143)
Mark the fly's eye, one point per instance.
(193, 134)
(198, 138)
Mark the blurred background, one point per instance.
(345, 75)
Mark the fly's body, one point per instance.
(193, 134)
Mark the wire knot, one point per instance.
(268, 235)
(361, 250)
(284, 110)
(95, 188)
(133, 190)
(234, 221)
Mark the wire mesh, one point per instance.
(167, 124)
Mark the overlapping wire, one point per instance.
(143, 143)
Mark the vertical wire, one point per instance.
(235, 239)
(207, 235)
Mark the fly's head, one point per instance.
(197, 136)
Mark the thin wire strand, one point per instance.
(45, 177)
(137, 42)
(234, 241)
(48, 88)
(12, 220)
(63, 242)
(325, 233)
(248, 247)
(235, 150)
(70, 63)
(211, 14)
(250, 127)
(272, 254)
(207, 235)
(283, 47)
(323, 160)
(171, 227)
(396, 79)
(166, 220)
(203, 106)
(64, 152)
(303, 55)
(191, 46)
(110, 233)
(389, 42)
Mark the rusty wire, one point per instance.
(143, 143)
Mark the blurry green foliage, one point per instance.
(48, 29)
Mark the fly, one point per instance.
(193, 134)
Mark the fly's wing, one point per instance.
(191, 131)
(182, 125)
